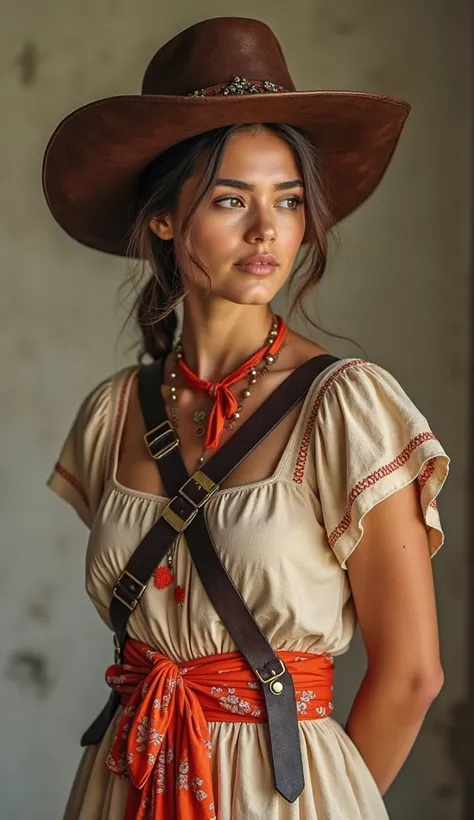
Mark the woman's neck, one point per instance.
(216, 343)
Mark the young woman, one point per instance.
(216, 176)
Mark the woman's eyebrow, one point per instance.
(245, 186)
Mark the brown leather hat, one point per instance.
(219, 72)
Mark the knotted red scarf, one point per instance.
(225, 403)
(162, 743)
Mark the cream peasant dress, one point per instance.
(285, 541)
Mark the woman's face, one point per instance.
(255, 210)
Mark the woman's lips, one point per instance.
(257, 268)
(259, 264)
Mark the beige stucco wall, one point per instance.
(399, 286)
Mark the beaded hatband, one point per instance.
(239, 85)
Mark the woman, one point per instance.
(217, 181)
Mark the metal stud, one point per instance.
(276, 687)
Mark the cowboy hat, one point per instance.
(219, 72)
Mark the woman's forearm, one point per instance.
(384, 722)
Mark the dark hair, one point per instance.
(158, 193)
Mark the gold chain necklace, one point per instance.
(253, 376)
(165, 575)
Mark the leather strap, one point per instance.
(280, 700)
(186, 512)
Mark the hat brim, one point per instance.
(96, 155)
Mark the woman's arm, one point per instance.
(392, 585)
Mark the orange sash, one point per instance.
(162, 743)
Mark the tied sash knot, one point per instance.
(162, 744)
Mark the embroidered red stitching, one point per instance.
(372, 479)
(426, 473)
(118, 419)
(300, 464)
(73, 481)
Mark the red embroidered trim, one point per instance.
(118, 419)
(302, 456)
(372, 479)
(73, 481)
(426, 473)
(424, 477)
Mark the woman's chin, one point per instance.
(251, 293)
(257, 293)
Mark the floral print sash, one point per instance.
(162, 744)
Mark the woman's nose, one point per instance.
(262, 229)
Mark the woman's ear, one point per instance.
(162, 226)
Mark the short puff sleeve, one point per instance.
(80, 472)
(370, 441)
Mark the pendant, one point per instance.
(199, 415)
(200, 430)
(162, 577)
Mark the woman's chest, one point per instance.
(269, 537)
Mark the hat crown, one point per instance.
(215, 51)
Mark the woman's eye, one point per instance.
(229, 202)
(292, 202)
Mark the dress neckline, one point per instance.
(120, 406)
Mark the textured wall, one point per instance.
(399, 286)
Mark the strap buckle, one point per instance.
(198, 489)
(273, 675)
(161, 440)
(191, 496)
(128, 590)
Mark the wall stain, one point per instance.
(30, 671)
(457, 731)
(40, 607)
(445, 791)
(27, 63)
(343, 27)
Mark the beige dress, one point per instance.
(285, 541)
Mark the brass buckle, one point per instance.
(274, 675)
(177, 522)
(205, 483)
(153, 436)
(135, 595)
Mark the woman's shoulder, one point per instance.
(83, 463)
(358, 386)
(369, 439)
(340, 373)
(109, 388)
